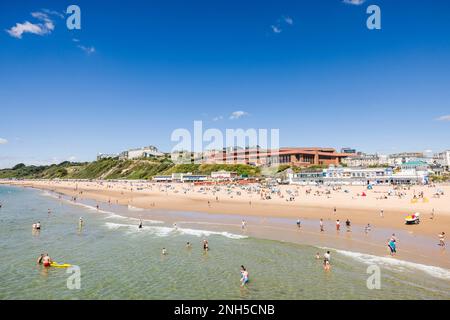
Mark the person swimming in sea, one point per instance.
(188, 245)
(45, 260)
(164, 252)
(140, 224)
(205, 245)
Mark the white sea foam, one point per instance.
(116, 216)
(166, 231)
(205, 233)
(131, 208)
(48, 194)
(396, 264)
(158, 231)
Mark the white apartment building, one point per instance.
(366, 160)
(442, 158)
(145, 152)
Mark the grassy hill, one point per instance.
(118, 169)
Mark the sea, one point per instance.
(113, 259)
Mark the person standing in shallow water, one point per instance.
(442, 239)
(244, 276)
(321, 225)
(326, 261)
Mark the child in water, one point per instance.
(244, 276)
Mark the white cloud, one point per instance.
(354, 2)
(276, 29)
(289, 20)
(75, 40)
(53, 13)
(217, 118)
(87, 50)
(238, 114)
(46, 27)
(3, 141)
(71, 158)
(444, 118)
(26, 27)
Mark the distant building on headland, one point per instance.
(144, 152)
(102, 156)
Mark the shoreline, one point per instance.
(274, 221)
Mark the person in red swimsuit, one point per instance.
(45, 260)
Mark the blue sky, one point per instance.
(136, 72)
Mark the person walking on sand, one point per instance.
(367, 228)
(321, 225)
(338, 225)
(442, 239)
(392, 246)
(299, 223)
(381, 213)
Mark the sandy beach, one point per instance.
(262, 206)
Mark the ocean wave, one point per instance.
(395, 264)
(166, 231)
(48, 194)
(116, 216)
